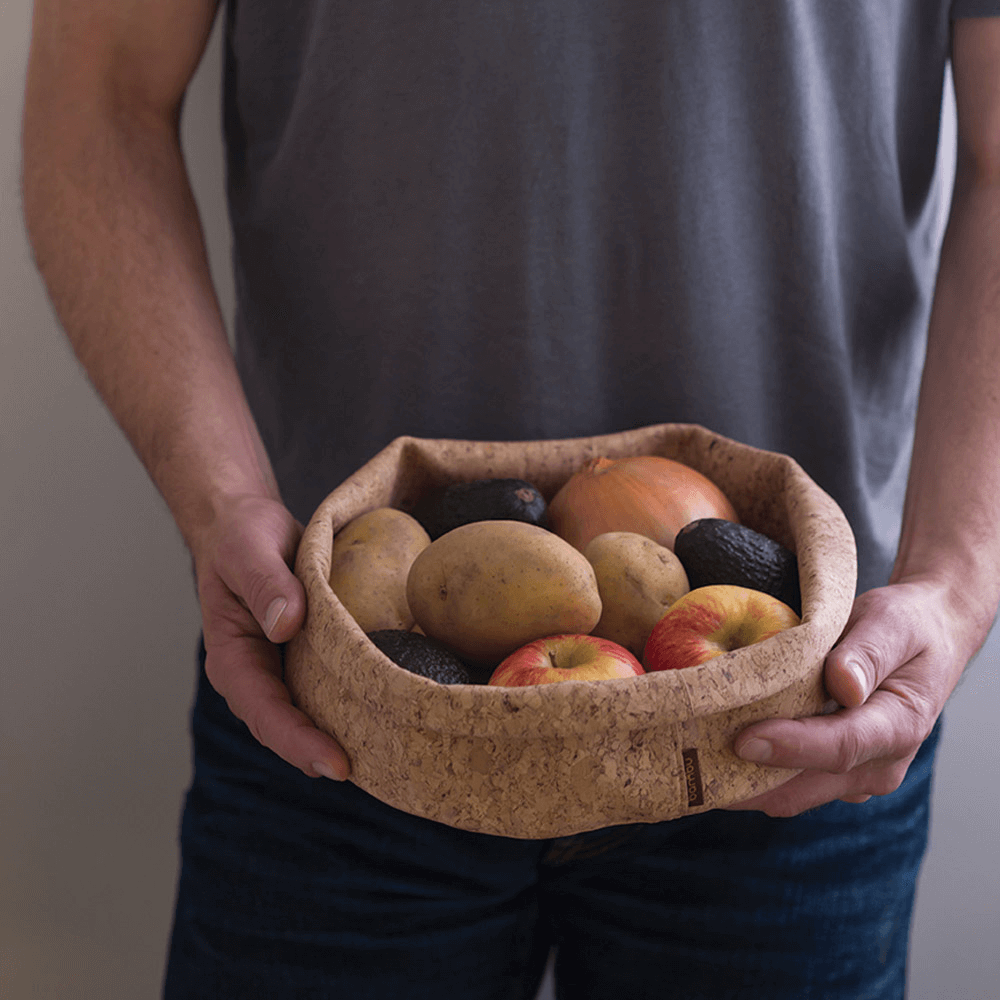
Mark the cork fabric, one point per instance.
(560, 759)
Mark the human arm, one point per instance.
(116, 235)
(906, 645)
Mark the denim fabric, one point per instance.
(299, 888)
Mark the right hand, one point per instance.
(251, 602)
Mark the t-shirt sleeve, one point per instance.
(975, 8)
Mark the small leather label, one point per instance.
(692, 777)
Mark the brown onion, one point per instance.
(645, 494)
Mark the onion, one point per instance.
(645, 494)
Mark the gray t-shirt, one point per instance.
(513, 219)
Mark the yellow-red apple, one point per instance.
(565, 658)
(709, 621)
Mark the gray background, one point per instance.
(100, 623)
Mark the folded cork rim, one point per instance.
(560, 759)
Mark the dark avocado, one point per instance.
(421, 655)
(481, 500)
(713, 550)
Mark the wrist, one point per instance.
(967, 596)
(205, 517)
(213, 462)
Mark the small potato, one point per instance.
(371, 558)
(638, 580)
(487, 588)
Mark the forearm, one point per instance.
(952, 511)
(117, 238)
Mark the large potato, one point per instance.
(371, 558)
(638, 580)
(489, 587)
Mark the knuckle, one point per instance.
(889, 632)
(886, 780)
(257, 587)
(895, 614)
(849, 752)
(923, 715)
(882, 777)
(881, 660)
(914, 719)
(872, 658)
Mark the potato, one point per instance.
(487, 588)
(371, 558)
(638, 580)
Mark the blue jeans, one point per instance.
(299, 888)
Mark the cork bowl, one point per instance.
(560, 759)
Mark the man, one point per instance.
(498, 220)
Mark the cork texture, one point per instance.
(561, 759)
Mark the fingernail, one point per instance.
(322, 768)
(757, 751)
(860, 678)
(274, 611)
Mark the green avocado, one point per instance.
(713, 551)
(421, 655)
(481, 500)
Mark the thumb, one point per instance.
(877, 640)
(282, 617)
(260, 576)
(276, 599)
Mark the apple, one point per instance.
(565, 658)
(709, 621)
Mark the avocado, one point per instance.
(421, 655)
(713, 550)
(481, 500)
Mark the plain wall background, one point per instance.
(100, 623)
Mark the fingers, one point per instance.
(894, 668)
(887, 727)
(254, 562)
(881, 634)
(892, 671)
(803, 792)
(247, 672)
(251, 601)
(850, 756)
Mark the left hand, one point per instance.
(899, 658)
(910, 641)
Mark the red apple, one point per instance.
(565, 658)
(709, 621)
